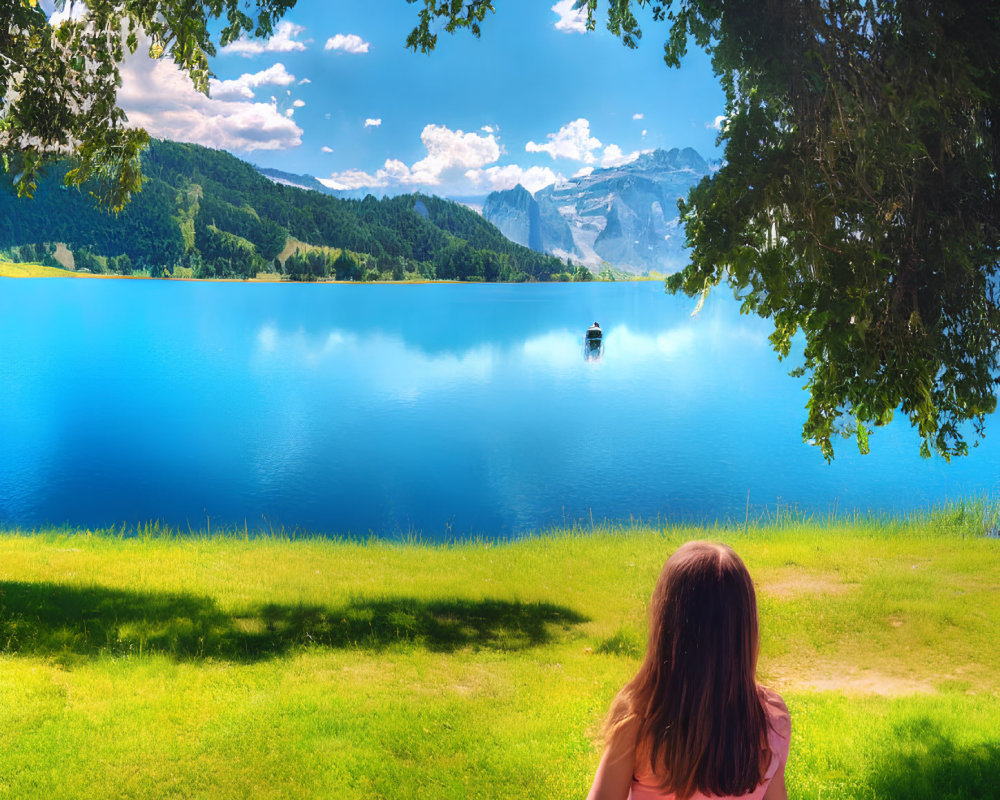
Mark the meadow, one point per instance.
(151, 664)
(11, 269)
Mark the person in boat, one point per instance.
(593, 340)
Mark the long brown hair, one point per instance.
(701, 721)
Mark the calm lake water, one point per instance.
(441, 409)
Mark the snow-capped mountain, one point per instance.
(625, 216)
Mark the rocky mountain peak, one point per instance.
(625, 216)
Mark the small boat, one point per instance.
(593, 343)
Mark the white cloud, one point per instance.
(298, 103)
(572, 141)
(159, 97)
(571, 19)
(351, 43)
(242, 88)
(638, 116)
(488, 129)
(717, 123)
(289, 112)
(508, 176)
(351, 179)
(614, 157)
(447, 150)
(395, 171)
(283, 41)
(583, 172)
(304, 81)
(643, 133)
(373, 123)
(326, 149)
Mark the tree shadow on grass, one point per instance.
(927, 765)
(57, 620)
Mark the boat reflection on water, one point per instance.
(593, 343)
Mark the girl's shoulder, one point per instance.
(778, 718)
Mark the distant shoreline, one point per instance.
(10, 269)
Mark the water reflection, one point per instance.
(448, 410)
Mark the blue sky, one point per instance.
(336, 94)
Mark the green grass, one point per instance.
(161, 665)
(9, 269)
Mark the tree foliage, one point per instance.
(858, 203)
(59, 83)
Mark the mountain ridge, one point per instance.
(624, 216)
(206, 213)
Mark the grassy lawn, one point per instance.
(207, 666)
(9, 269)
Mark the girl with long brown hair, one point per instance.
(694, 723)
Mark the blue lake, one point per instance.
(444, 410)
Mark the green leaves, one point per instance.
(59, 84)
(448, 15)
(858, 205)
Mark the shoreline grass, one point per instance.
(158, 663)
(9, 269)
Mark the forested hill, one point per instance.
(205, 213)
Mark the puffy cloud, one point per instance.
(614, 157)
(638, 116)
(572, 141)
(351, 43)
(717, 123)
(509, 176)
(583, 172)
(571, 19)
(242, 88)
(447, 150)
(488, 129)
(298, 103)
(159, 97)
(326, 149)
(283, 41)
(373, 123)
(351, 179)
(394, 172)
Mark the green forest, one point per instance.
(203, 213)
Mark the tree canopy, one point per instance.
(59, 82)
(858, 201)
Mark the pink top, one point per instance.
(779, 734)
